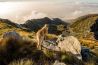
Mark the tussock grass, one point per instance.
(11, 48)
(22, 62)
(24, 52)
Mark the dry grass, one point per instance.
(51, 36)
(14, 51)
(88, 42)
(22, 62)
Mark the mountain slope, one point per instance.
(56, 25)
(6, 25)
(84, 23)
(86, 29)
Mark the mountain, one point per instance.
(8, 22)
(85, 24)
(56, 25)
(86, 29)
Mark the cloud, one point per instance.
(34, 15)
(73, 14)
(77, 12)
(25, 0)
(67, 9)
(78, 2)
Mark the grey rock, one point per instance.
(50, 45)
(68, 44)
(60, 38)
(12, 34)
(72, 45)
(85, 53)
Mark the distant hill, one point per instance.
(6, 25)
(56, 25)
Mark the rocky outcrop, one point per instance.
(66, 44)
(50, 45)
(13, 35)
(72, 45)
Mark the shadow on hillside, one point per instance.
(94, 29)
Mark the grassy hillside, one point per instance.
(84, 25)
(24, 51)
(86, 28)
(6, 25)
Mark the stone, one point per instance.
(12, 34)
(50, 45)
(72, 45)
(85, 52)
(60, 38)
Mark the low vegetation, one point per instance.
(25, 52)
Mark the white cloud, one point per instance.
(34, 15)
(73, 14)
(78, 2)
(67, 9)
(77, 12)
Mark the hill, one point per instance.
(6, 25)
(30, 27)
(23, 51)
(56, 25)
(86, 28)
(85, 24)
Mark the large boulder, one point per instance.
(72, 45)
(12, 34)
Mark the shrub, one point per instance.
(11, 49)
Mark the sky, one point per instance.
(21, 10)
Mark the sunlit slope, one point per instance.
(86, 28)
(6, 25)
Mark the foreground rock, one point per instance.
(67, 44)
(72, 45)
(13, 35)
(50, 45)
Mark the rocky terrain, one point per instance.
(66, 44)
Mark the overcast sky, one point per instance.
(22, 10)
